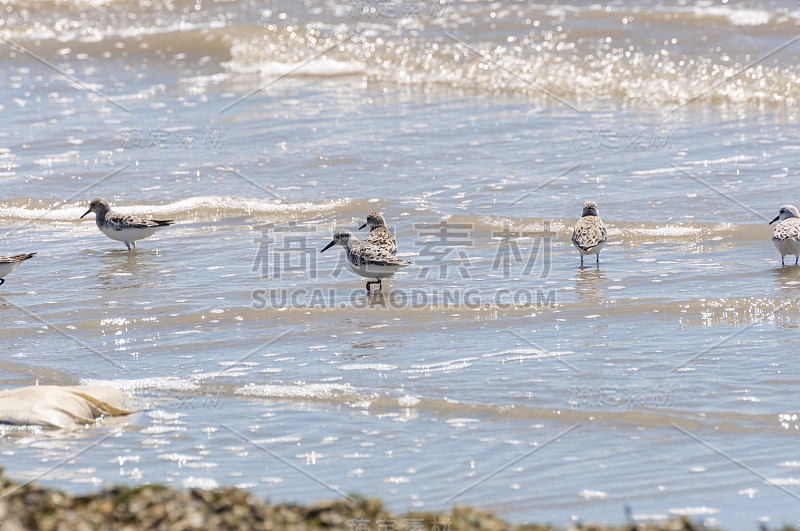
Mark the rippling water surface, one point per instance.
(494, 371)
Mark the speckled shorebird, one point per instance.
(786, 236)
(379, 233)
(590, 233)
(126, 229)
(366, 259)
(10, 263)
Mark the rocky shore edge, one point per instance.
(25, 506)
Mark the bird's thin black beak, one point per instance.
(774, 220)
(86, 213)
(328, 246)
(362, 226)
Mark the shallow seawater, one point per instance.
(495, 371)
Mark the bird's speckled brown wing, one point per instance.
(363, 253)
(787, 229)
(120, 222)
(16, 258)
(381, 237)
(589, 232)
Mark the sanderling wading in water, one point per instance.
(10, 263)
(126, 229)
(590, 233)
(379, 234)
(786, 236)
(366, 259)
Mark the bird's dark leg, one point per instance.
(128, 245)
(376, 281)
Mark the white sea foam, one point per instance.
(218, 207)
(380, 367)
(297, 390)
(666, 230)
(244, 53)
(735, 15)
(159, 383)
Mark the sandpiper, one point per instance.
(379, 234)
(786, 236)
(126, 229)
(590, 233)
(10, 263)
(366, 259)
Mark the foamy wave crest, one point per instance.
(462, 46)
(736, 16)
(573, 71)
(193, 208)
(248, 59)
(314, 391)
(165, 383)
(666, 231)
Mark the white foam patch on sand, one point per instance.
(317, 68)
(588, 494)
(408, 401)
(736, 16)
(297, 391)
(246, 56)
(444, 366)
(460, 422)
(519, 354)
(199, 483)
(693, 511)
(535, 229)
(179, 458)
(160, 383)
(382, 367)
(667, 230)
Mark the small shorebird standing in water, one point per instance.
(786, 236)
(126, 229)
(379, 234)
(10, 263)
(590, 233)
(366, 259)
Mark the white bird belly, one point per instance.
(375, 271)
(787, 246)
(592, 250)
(128, 235)
(6, 268)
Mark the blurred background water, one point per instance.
(663, 382)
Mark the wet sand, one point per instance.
(28, 506)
